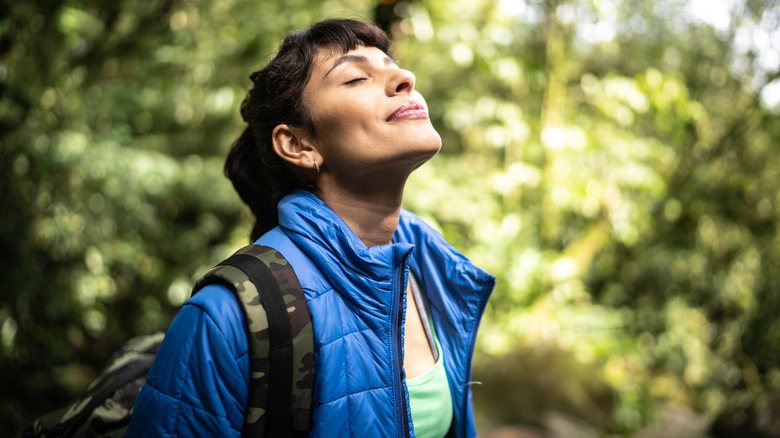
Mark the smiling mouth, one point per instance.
(409, 110)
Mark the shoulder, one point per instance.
(413, 229)
(409, 219)
(309, 276)
(208, 331)
(431, 248)
(199, 380)
(218, 306)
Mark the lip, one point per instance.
(410, 110)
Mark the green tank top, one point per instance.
(430, 399)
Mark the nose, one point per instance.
(401, 81)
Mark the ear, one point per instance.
(294, 147)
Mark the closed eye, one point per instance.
(354, 81)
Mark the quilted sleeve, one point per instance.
(198, 383)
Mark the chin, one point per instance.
(427, 149)
(433, 141)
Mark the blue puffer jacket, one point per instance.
(198, 383)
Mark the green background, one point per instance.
(614, 162)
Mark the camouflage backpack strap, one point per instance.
(281, 339)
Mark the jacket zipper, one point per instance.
(398, 384)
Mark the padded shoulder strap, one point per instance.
(281, 339)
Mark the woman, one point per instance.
(335, 127)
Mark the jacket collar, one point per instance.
(353, 269)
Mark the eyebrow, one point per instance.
(356, 58)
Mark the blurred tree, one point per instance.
(611, 162)
(101, 190)
(115, 122)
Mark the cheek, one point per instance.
(338, 137)
(337, 129)
(348, 122)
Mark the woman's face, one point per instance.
(369, 120)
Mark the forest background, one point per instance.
(614, 162)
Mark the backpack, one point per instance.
(281, 345)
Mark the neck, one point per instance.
(371, 214)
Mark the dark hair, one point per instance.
(259, 175)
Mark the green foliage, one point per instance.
(612, 162)
(623, 190)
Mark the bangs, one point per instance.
(339, 35)
(347, 35)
